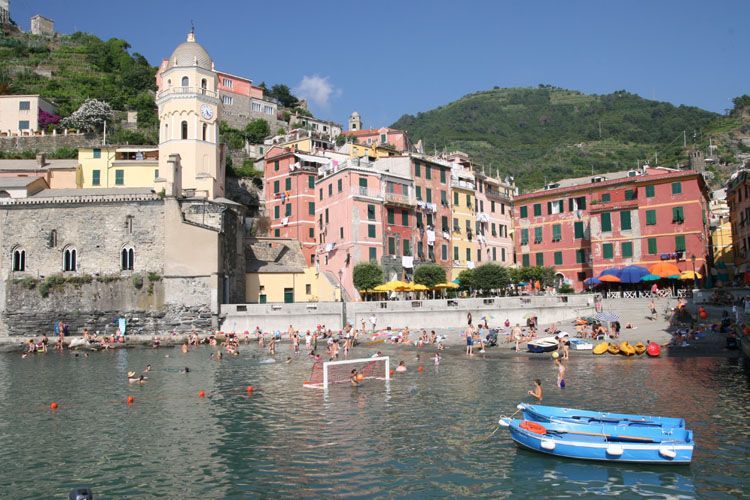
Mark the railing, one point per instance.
(457, 183)
(187, 90)
(364, 192)
(401, 199)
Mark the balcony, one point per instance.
(613, 205)
(402, 200)
(187, 92)
(368, 194)
(493, 194)
(462, 184)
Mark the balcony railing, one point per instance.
(458, 183)
(187, 90)
(399, 199)
(362, 191)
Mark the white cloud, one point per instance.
(316, 89)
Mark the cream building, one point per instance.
(118, 166)
(190, 159)
(19, 114)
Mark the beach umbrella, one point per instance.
(592, 281)
(665, 269)
(609, 278)
(632, 274)
(381, 288)
(612, 271)
(522, 283)
(673, 277)
(456, 281)
(650, 277)
(690, 275)
(418, 287)
(446, 285)
(607, 317)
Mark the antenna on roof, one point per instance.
(192, 27)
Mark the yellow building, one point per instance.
(118, 166)
(276, 272)
(371, 151)
(721, 239)
(463, 207)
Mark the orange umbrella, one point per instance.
(665, 269)
(608, 278)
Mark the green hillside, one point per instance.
(548, 133)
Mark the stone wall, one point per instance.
(48, 143)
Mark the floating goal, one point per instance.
(339, 372)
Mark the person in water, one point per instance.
(401, 368)
(560, 371)
(353, 378)
(537, 391)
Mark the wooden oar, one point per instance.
(608, 436)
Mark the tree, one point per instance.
(740, 103)
(367, 275)
(282, 93)
(429, 275)
(90, 116)
(232, 137)
(256, 131)
(466, 279)
(491, 277)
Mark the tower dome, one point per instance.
(190, 53)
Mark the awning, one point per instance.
(134, 149)
(313, 159)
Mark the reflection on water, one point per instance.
(420, 435)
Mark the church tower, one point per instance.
(355, 122)
(190, 158)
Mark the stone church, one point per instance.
(165, 258)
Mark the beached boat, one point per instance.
(580, 345)
(588, 443)
(542, 413)
(545, 344)
(653, 350)
(626, 349)
(613, 349)
(601, 348)
(639, 348)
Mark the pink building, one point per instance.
(494, 219)
(396, 138)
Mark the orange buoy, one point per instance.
(392, 372)
(249, 388)
(131, 399)
(360, 377)
(53, 406)
(202, 394)
(420, 368)
(533, 427)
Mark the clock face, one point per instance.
(207, 112)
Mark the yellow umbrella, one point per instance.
(381, 288)
(417, 287)
(446, 285)
(690, 275)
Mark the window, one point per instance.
(605, 198)
(312, 233)
(276, 187)
(606, 222)
(52, 239)
(650, 191)
(268, 110)
(288, 210)
(156, 173)
(468, 255)
(492, 206)
(407, 248)
(119, 177)
(444, 224)
(391, 216)
(455, 198)
(468, 200)
(538, 234)
(676, 188)
(539, 259)
(524, 212)
(326, 214)
(525, 260)
(185, 81)
(419, 220)
(330, 189)
(493, 227)
(24, 106)
(455, 253)
(630, 194)
(371, 231)
(428, 191)
(650, 217)
(625, 222)
(555, 207)
(227, 100)
(442, 176)
(524, 236)
(580, 256)
(577, 203)
(537, 209)
(607, 251)
(276, 211)
(96, 177)
(373, 254)
(558, 258)
(578, 230)
(340, 185)
(311, 208)
(204, 132)
(678, 215)
(256, 107)
(227, 83)
(69, 259)
(502, 254)
(276, 232)
(652, 250)
(444, 251)
(97, 153)
(444, 198)
(321, 194)
(19, 259)
(370, 212)
(184, 128)
(126, 259)
(405, 218)
(417, 169)
(391, 246)
(427, 172)
(679, 243)
(627, 249)
(556, 232)
(23, 125)
(311, 182)
(276, 165)
(418, 192)
(308, 289)
(288, 183)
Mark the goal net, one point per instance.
(338, 372)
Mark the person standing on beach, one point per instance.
(469, 334)
(272, 345)
(652, 308)
(373, 322)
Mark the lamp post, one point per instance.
(694, 277)
(343, 301)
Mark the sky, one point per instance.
(389, 58)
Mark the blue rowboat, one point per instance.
(545, 344)
(587, 443)
(541, 413)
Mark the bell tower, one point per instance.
(189, 115)
(355, 122)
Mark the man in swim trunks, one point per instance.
(537, 392)
(469, 334)
(560, 373)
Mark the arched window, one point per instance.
(185, 81)
(184, 130)
(70, 259)
(204, 85)
(169, 83)
(127, 258)
(19, 259)
(205, 129)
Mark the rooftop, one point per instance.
(34, 164)
(11, 182)
(274, 256)
(371, 131)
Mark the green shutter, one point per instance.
(650, 217)
(678, 214)
(676, 188)
(539, 259)
(370, 212)
(288, 183)
(605, 197)
(288, 210)
(391, 216)
(525, 260)
(404, 218)
(556, 232)
(524, 212)
(276, 211)
(580, 256)
(625, 222)
(371, 231)
(455, 253)
(363, 182)
(311, 181)
(417, 169)
(311, 207)
(627, 249)
(607, 251)
(679, 243)
(630, 194)
(96, 177)
(427, 172)
(524, 236)
(606, 222)
(537, 235)
(407, 248)
(418, 192)
(578, 227)
(119, 177)
(275, 187)
(429, 195)
(537, 209)
(373, 254)
(558, 258)
(650, 191)
(391, 246)
(652, 246)
(442, 177)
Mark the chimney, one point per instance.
(41, 159)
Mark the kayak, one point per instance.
(542, 413)
(613, 349)
(639, 348)
(580, 345)
(653, 350)
(626, 349)
(600, 348)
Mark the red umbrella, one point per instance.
(608, 278)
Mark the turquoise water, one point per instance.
(422, 435)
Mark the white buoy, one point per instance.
(667, 452)
(548, 444)
(615, 450)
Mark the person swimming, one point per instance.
(401, 368)
(132, 379)
(353, 378)
(537, 391)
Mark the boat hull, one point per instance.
(542, 413)
(580, 345)
(546, 344)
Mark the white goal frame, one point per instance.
(351, 362)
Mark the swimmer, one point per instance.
(184, 348)
(353, 378)
(288, 360)
(560, 373)
(436, 358)
(148, 369)
(401, 368)
(537, 392)
(132, 379)
(185, 370)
